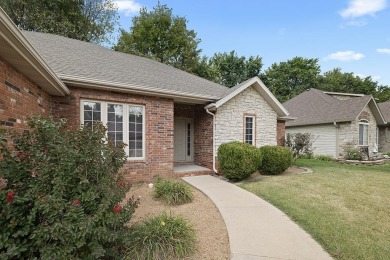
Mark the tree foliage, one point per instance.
(290, 78)
(345, 82)
(160, 35)
(230, 69)
(85, 20)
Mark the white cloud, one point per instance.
(359, 8)
(345, 56)
(129, 7)
(363, 76)
(384, 50)
(357, 23)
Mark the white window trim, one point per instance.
(253, 129)
(363, 122)
(103, 108)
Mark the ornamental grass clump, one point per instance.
(238, 161)
(173, 192)
(161, 237)
(64, 197)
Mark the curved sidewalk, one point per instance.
(257, 230)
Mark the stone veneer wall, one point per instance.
(19, 98)
(230, 119)
(384, 139)
(349, 132)
(159, 129)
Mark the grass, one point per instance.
(161, 237)
(173, 192)
(345, 208)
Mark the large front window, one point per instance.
(125, 123)
(363, 132)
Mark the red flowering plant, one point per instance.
(64, 197)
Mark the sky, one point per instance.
(353, 35)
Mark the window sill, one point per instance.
(138, 160)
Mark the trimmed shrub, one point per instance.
(173, 192)
(276, 159)
(161, 237)
(353, 154)
(238, 161)
(64, 195)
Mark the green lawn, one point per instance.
(345, 208)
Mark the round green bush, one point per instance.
(238, 161)
(276, 159)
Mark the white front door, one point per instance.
(183, 140)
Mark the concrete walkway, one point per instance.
(257, 230)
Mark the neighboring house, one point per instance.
(384, 130)
(338, 121)
(168, 118)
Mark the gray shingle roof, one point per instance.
(385, 109)
(315, 107)
(69, 57)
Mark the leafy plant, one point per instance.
(161, 237)
(238, 161)
(322, 157)
(173, 192)
(301, 144)
(276, 159)
(64, 195)
(353, 154)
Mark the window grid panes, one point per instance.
(125, 123)
(135, 131)
(92, 113)
(115, 123)
(363, 132)
(249, 129)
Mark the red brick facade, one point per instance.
(280, 132)
(159, 129)
(19, 98)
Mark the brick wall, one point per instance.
(159, 129)
(280, 132)
(203, 142)
(19, 98)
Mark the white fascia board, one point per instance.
(11, 34)
(138, 89)
(263, 90)
(377, 112)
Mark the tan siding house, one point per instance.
(338, 121)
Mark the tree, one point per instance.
(383, 93)
(85, 20)
(290, 78)
(347, 82)
(231, 69)
(160, 35)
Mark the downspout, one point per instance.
(213, 115)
